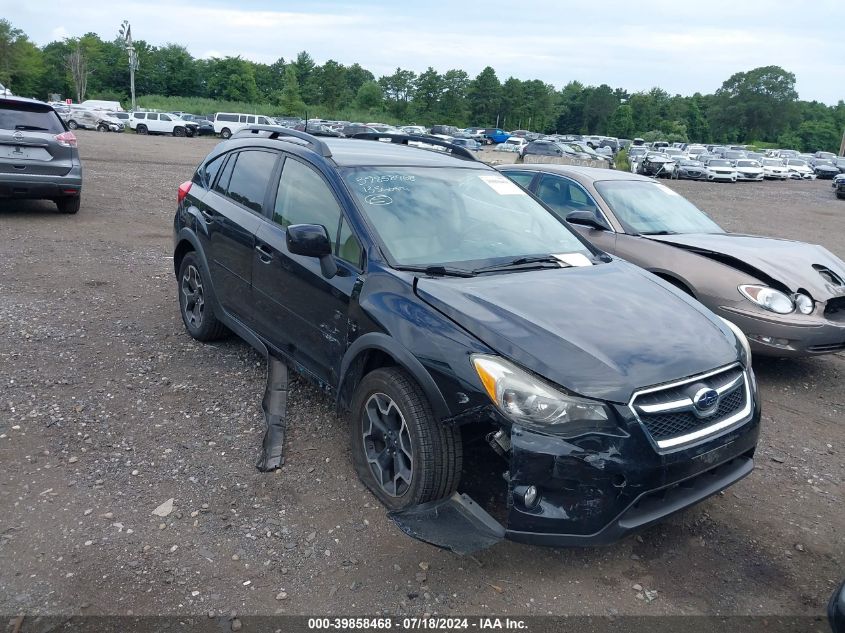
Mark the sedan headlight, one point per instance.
(743, 340)
(768, 298)
(533, 402)
(804, 303)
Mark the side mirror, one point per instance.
(585, 218)
(836, 610)
(312, 240)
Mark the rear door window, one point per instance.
(23, 118)
(251, 174)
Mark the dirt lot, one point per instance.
(108, 409)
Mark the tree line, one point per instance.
(759, 105)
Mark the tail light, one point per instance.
(66, 139)
(184, 188)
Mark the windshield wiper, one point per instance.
(32, 128)
(658, 232)
(438, 271)
(520, 262)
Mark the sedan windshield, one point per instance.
(747, 163)
(435, 216)
(719, 163)
(651, 208)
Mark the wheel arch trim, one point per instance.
(403, 358)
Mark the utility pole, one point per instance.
(126, 33)
(842, 145)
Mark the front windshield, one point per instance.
(747, 163)
(648, 207)
(796, 163)
(452, 216)
(719, 163)
(772, 162)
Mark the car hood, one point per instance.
(600, 331)
(792, 264)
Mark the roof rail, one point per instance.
(403, 139)
(279, 132)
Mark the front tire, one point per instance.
(178, 131)
(72, 125)
(225, 133)
(102, 128)
(400, 451)
(194, 302)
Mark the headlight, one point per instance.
(768, 298)
(533, 402)
(743, 340)
(804, 303)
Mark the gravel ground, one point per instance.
(108, 410)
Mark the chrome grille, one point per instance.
(671, 417)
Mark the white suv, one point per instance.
(161, 123)
(227, 123)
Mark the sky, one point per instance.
(682, 47)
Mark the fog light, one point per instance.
(804, 303)
(770, 340)
(530, 496)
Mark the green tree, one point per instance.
(232, 78)
(21, 64)
(819, 136)
(428, 88)
(398, 89)
(484, 97)
(290, 100)
(758, 104)
(304, 66)
(621, 123)
(370, 96)
(453, 107)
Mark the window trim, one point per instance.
(344, 216)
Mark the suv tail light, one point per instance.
(66, 139)
(184, 188)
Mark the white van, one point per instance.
(227, 123)
(97, 104)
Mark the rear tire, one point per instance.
(178, 131)
(68, 205)
(141, 129)
(194, 301)
(401, 452)
(225, 133)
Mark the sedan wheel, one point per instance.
(388, 446)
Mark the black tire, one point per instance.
(436, 452)
(189, 132)
(68, 205)
(102, 128)
(178, 131)
(194, 305)
(225, 133)
(141, 129)
(841, 196)
(72, 125)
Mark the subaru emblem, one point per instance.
(705, 400)
(18, 135)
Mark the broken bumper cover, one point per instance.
(596, 489)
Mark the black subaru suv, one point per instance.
(451, 316)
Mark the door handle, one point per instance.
(264, 253)
(207, 215)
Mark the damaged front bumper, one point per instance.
(591, 490)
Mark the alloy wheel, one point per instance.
(387, 445)
(194, 302)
